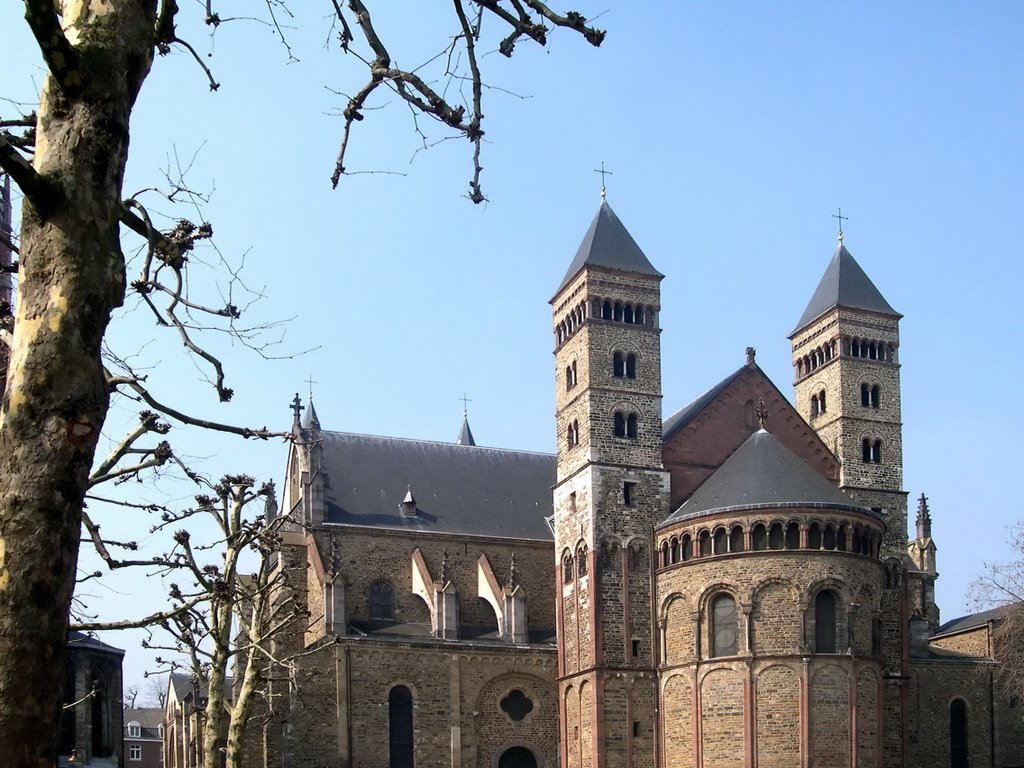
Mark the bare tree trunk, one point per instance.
(71, 276)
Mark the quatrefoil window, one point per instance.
(517, 705)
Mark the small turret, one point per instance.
(924, 519)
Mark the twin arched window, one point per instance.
(624, 366)
(818, 404)
(870, 395)
(572, 433)
(570, 375)
(871, 452)
(626, 424)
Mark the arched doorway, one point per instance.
(517, 757)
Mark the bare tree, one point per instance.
(1002, 587)
(68, 161)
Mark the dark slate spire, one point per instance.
(844, 284)
(465, 434)
(608, 244)
(924, 518)
(312, 421)
(762, 473)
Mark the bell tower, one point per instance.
(610, 491)
(846, 362)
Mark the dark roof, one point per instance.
(762, 473)
(609, 244)
(844, 284)
(459, 489)
(971, 621)
(681, 418)
(147, 717)
(79, 640)
(465, 434)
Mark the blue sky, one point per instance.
(733, 131)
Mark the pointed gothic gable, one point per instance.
(700, 437)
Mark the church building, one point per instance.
(731, 586)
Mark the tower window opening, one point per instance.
(618, 367)
(666, 557)
(676, 551)
(759, 537)
(829, 539)
(865, 451)
(617, 311)
(814, 536)
(635, 648)
(573, 433)
(687, 547)
(620, 425)
(825, 615)
(638, 318)
(814, 406)
(775, 536)
(606, 310)
(821, 400)
(567, 569)
(581, 562)
(841, 538)
(636, 726)
(724, 626)
(570, 375)
(876, 396)
(876, 452)
(631, 425)
(627, 313)
(865, 396)
(630, 366)
(628, 493)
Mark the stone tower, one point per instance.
(611, 489)
(846, 361)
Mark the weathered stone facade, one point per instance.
(731, 586)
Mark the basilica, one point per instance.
(733, 584)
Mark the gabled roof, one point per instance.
(762, 473)
(685, 415)
(608, 244)
(844, 284)
(459, 489)
(972, 621)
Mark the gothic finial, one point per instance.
(924, 518)
(751, 354)
(513, 572)
(297, 408)
(446, 567)
(761, 411)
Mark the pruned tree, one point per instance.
(68, 161)
(1002, 587)
(226, 619)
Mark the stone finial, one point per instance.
(297, 408)
(751, 354)
(513, 573)
(446, 567)
(924, 518)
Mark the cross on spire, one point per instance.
(841, 219)
(465, 400)
(310, 381)
(603, 173)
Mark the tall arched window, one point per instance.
(876, 452)
(814, 406)
(865, 451)
(400, 733)
(382, 601)
(825, 614)
(821, 400)
(876, 396)
(724, 626)
(865, 395)
(958, 734)
(631, 425)
(620, 424)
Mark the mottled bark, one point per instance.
(71, 276)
